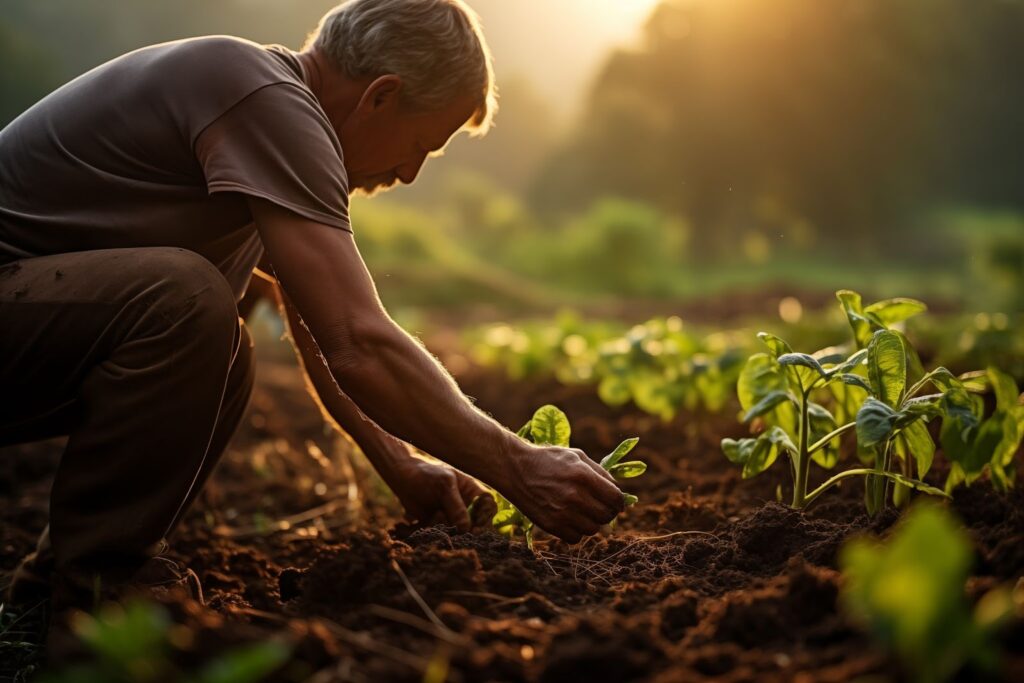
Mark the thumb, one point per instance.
(469, 488)
(453, 505)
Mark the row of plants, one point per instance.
(661, 365)
(665, 366)
(875, 387)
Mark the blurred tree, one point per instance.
(28, 73)
(56, 40)
(845, 117)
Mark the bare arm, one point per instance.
(396, 383)
(426, 489)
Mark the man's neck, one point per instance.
(337, 93)
(311, 72)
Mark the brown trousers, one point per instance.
(138, 355)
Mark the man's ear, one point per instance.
(381, 93)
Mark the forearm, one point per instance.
(389, 371)
(386, 453)
(388, 375)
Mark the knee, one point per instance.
(185, 289)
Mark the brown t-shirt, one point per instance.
(160, 147)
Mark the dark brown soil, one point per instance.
(707, 579)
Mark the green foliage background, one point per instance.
(818, 144)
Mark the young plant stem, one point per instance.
(832, 481)
(803, 462)
(823, 441)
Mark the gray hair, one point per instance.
(437, 47)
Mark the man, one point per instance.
(135, 203)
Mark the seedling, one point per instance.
(877, 391)
(777, 388)
(909, 594)
(549, 426)
(891, 423)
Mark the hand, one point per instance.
(563, 491)
(431, 491)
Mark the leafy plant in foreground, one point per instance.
(132, 644)
(909, 593)
(549, 426)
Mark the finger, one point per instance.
(607, 492)
(469, 488)
(482, 510)
(571, 526)
(454, 507)
(596, 466)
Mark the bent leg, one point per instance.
(138, 345)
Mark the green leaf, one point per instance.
(928, 406)
(875, 422)
(777, 346)
(896, 310)
(761, 375)
(887, 366)
(851, 304)
(550, 426)
(829, 356)
(757, 455)
(915, 484)
(1013, 433)
(803, 359)
(856, 380)
(918, 444)
(805, 367)
(768, 404)
(960, 420)
(628, 470)
(629, 499)
(856, 359)
(620, 451)
(848, 395)
(990, 434)
(943, 379)
(976, 381)
(822, 423)
(909, 592)
(915, 371)
(524, 432)
(1007, 395)
(821, 414)
(614, 390)
(503, 517)
(246, 664)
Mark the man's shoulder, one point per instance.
(228, 59)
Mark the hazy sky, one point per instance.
(558, 44)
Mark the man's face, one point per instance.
(385, 143)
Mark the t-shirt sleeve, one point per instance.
(277, 144)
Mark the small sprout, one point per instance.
(550, 426)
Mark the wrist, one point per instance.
(388, 455)
(503, 463)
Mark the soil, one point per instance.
(708, 578)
